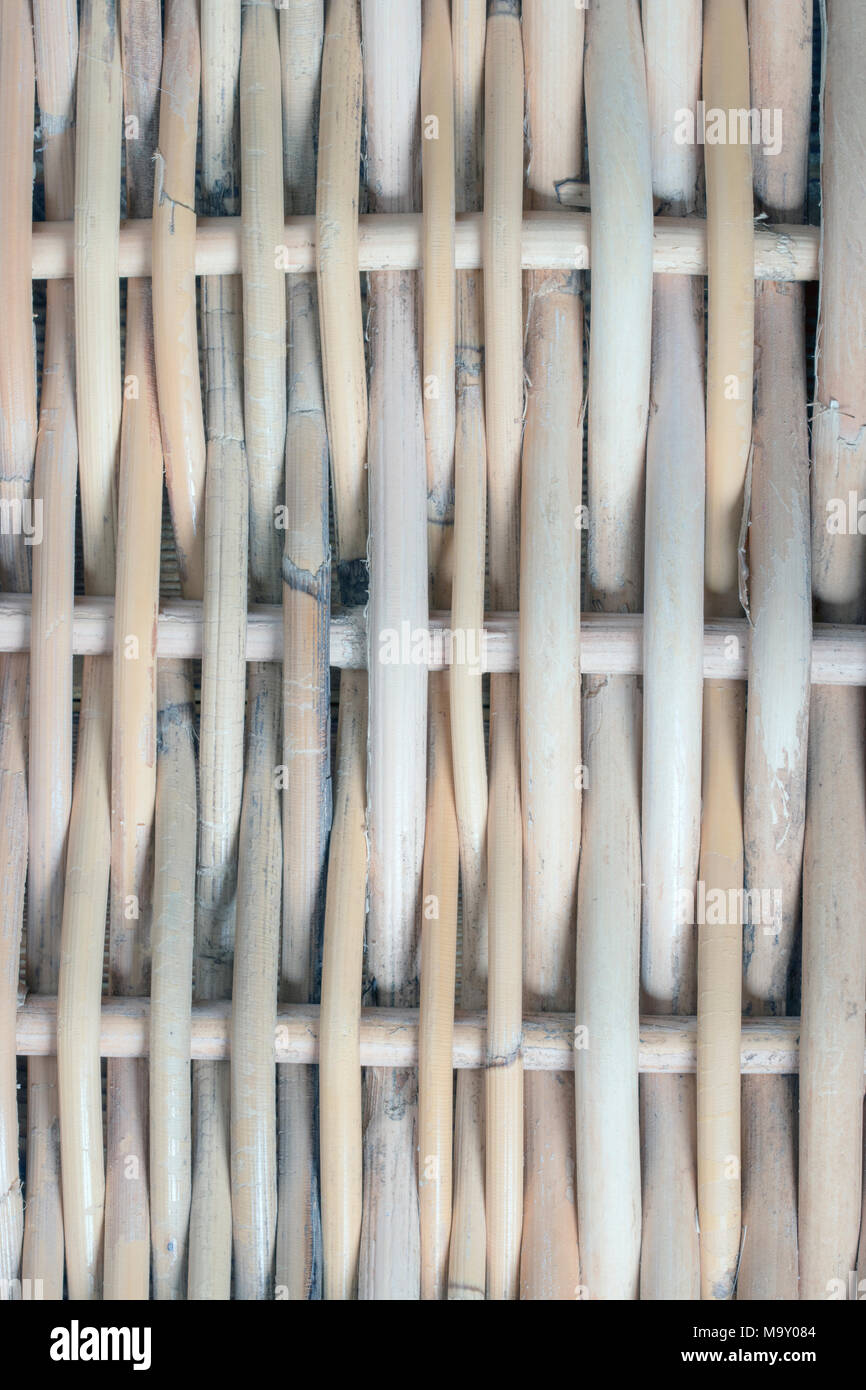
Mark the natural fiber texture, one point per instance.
(350, 803)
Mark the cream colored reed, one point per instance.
(730, 247)
(608, 909)
(98, 410)
(254, 990)
(673, 666)
(468, 1246)
(439, 888)
(389, 1265)
(223, 671)
(503, 336)
(340, 1134)
(834, 882)
(306, 732)
(553, 38)
(50, 768)
(780, 54)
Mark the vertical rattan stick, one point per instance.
(780, 42)
(133, 741)
(42, 1257)
(730, 259)
(550, 644)
(254, 990)
(98, 400)
(171, 981)
(834, 870)
(673, 664)
(50, 770)
(503, 336)
(223, 671)
(608, 915)
(468, 1249)
(396, 769)
(346, 401)
(439, 915)
(306, 672)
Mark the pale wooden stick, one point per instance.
(223, 673)
(673, 666)
(50, 770)
(254, 990)
(608, 911)
(441, 854)
(98, 399)
(503, 336)
(549, 241)
(342, 962)
(306, 732)
(834, 874)
(389, 1264)
(468, 1248)
(253, 1116)
(171, 982)
(336, 252)
(42, 1256)
(550, 754)
(729, 420)
(133, 743)
(780, 45)
(340, 1134)
(389, 1037)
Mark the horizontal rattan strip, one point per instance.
(392, 241)
(611, 644)
(389, 1037)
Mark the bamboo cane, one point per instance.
(389, 1265)
(503, 336)
(42, 1254)
(468, 1246)
(608, 910)
(673, 667)
(253, 1124)
(831, 1113)
(171, 982)
(133, 746)
(439, 887)
(345, 386)
(550, 754)
(50, 769)
(98, 399)
(780, 44)
(223, 673)
(729, 421)
(306, 673)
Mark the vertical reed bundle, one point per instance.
(306, 671)
(503, 336)
(730, 260)
(98, 400)
(468, 1247)
(834, 873)
(345, 387)
(439, 889)
(396, 771)
(673, 665)
(780, 44)
(133, 733)
(17, 448)
(223, 668)
(608, 909)
(50, 768)
(257, 942)
(553, 37)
